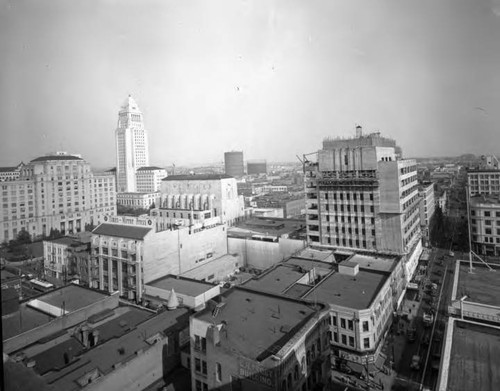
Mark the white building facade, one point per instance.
(132, 150)
(427, 207)
(149, 179)
(205, 196)
(58, 191)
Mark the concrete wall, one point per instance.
(60, 323)
(389, 187)
(262, 255)
(187, 300)
(390, 235)
(178, 251)
(216, 270)
(140, 372)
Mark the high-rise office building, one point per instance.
(361, 194)
(256, 167)
(233, 162)
(131, 146)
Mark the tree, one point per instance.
(89, 227)
(55, 234)
(23, 237)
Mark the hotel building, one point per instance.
(58, 191)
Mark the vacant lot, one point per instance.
(474, 363)
(482, 286)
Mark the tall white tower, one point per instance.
(131, 146)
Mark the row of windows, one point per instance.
(486, 239)
(348, 208)
(347, 196)
(349, 231)
(348, 323)
(344, 340)
(486, 213)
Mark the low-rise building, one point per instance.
(131, 252)
(74, 338)
(188, 292)
(208, 195)
(68, 258)
(251, 340)
(263, 242)
(361, 291)
(138, 200)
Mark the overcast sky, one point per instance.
(271, 78)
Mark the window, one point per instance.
(342, 323)
(350, 325)
(351, 341)
(487, 222)
(344, 339)
(336, 337)
(487, 213)
(197, 365)
(365, 326)
(334, 320)
(200, 386)
(487, 231)
(366, 343)
(200, 343)
(204, 367)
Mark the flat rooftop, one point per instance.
(105, 355)
(267, 226)
(369, 262)
(493, 200)
(66, 240)
(482, 286)
(316, 254)
(72, 297)
(259, 324)
(276, 280)
(473, 364)
(136, 232)
(355, 292)
(181, 285)
(308, 264)
(23, 320)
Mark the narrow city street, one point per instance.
(428, 343)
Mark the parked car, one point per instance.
(428, 319)
(415, 362)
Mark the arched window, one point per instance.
(289, 382)
(296, 372)
(313, 351)
(283, 385)
(308, 357)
